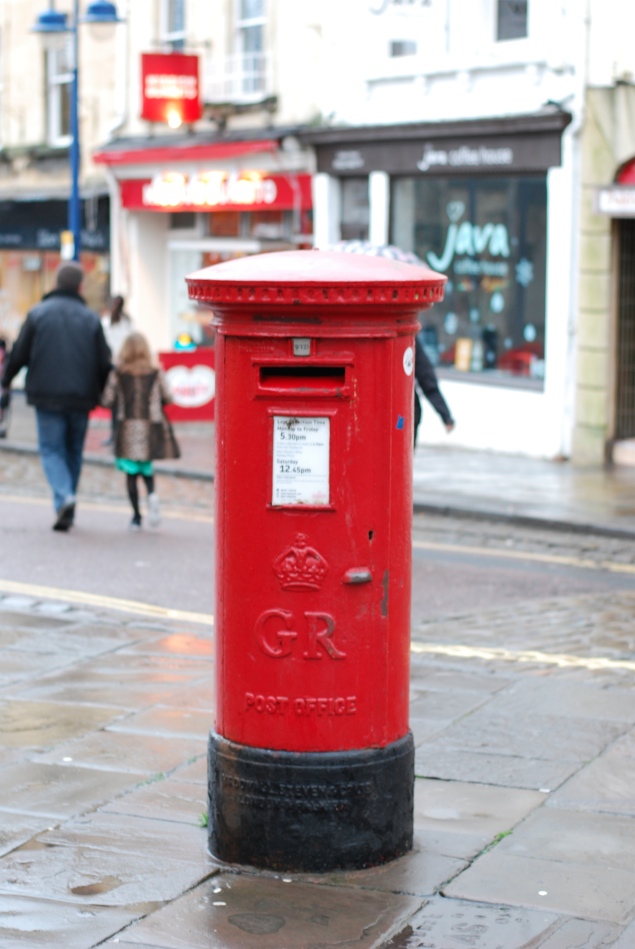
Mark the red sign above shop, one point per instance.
(218, 190)
(170, 88)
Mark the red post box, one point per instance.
(311, 760)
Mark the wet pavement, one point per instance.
(446, 479)
(524, 726)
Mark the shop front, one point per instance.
(478, 201)
(617, 202)
(183, 207)
(30, 254)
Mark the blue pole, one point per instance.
(74, 206)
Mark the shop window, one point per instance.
(402, 48)
(511, 19)
(250, 27)
(183, 220)
(225, 224)
(489, 237)
(173, 24)
(270, 225)
(355, 209)
(59, 84)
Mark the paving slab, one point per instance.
(42, 725)
(17, 829)
(171, 800)
(20, 666)
(179, 644)
(243, 912)
(607, 785)
(430, 679)
(58, 791)
(444, 808)
(573, 863)
(139, 754)
(27, 923)
(422, 872)
(447, 707)
(565, 699)
(582, 934)
(127, 685)
(603, 840)
(450, 924)
(194, 771)
(434, 760)
(586, 891)
(109, 859)
(13, 614)
(173, 722)
(76, 641)
(626, 940)
(494, 729)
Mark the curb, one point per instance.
(441, 508)
(522, 520)
(194, 474)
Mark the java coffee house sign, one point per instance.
(499, 154)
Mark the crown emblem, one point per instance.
(300, 567)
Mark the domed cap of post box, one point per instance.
(316, 278)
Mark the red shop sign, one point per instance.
(170, 88)
(192, 382)
(217, 190)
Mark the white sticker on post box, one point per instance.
(300, 460)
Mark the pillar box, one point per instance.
(311, 761)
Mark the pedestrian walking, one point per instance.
(117, 327)
(426, 380)
(63, 347)
(5, 398)
(137, 390)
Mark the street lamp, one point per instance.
(54, 27)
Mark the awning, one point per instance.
(145, 153)
(626, 175)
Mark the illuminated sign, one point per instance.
(217, 190)
(618, 201)
(170, 88)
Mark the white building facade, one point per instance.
(477, 135)
(493, 138)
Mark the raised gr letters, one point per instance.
(276, 632)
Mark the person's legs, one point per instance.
(153, 501)
(75, 438)
(133, 494)
(417, 418)
(52, 435)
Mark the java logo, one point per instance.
(467, 239)
(191, 387)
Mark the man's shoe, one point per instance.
(65, 516)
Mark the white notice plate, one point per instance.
(300, 460)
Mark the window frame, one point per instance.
(175, 39)
(59, 77)
(250, 80)
(499, 16)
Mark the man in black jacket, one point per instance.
(63, 346)
(427, 381)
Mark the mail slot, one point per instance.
(311, 759)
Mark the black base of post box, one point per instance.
(310, 811)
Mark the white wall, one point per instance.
(149, 290)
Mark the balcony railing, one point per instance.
(239, 78)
